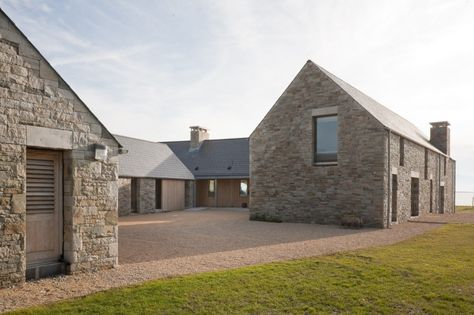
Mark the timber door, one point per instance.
(44, 223)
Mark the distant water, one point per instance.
(464, 199)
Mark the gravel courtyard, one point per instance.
(176, 243)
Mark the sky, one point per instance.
(150, 69)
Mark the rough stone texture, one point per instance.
(286, 185)
(440, 136)
(124, 196)
(31, 93)
(189, 191)
(147, 195)
(414, 166)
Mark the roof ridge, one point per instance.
(222, 139)
(363, 93)
(371, 108)
(133, 138)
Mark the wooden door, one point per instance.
(43, 206)
(172, 194)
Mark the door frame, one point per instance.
(58, 157)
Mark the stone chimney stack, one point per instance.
(198, 135)
(440, 136)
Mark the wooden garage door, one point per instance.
(43, 206)
(172, 194)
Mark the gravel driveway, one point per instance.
(177, 243)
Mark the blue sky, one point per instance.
(151, 69)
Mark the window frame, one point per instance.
(211, 194)
(240, 188)
(315, 141)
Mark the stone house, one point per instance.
(327, 153)
(220, 168)
(58, 171)
(152, 178)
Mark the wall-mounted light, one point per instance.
(100, 152)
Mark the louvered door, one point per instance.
(43, 206)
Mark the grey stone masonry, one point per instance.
(32, 94)
(147, 195)
(189, 194)
(124, 196)
(430, 172)
(440, 136)
(286, 185)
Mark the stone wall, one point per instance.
(287, 186)
(32, 94)
(285, 183)
(189, 199)
(147, 195)
(414, 166)
(124, 196)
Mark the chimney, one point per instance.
(440, 136)
(198, 135)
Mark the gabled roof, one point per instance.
(59, 76)
(223, 158)
(150, 159)
(385, 116)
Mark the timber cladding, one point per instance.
(172, 194)
(149, 195)
(227, 193)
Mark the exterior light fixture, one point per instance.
(100, 152)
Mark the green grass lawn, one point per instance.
(432, 274)
(464, 209)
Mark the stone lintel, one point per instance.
(324, 111)
(48, 138)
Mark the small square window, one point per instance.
(244, 188)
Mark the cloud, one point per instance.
(151, 69)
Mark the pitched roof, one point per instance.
(59, 76)
(223, 158)
(385, 116)
(150, 159)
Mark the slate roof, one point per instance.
(150, 159)
(222, 158)
(385, 116)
